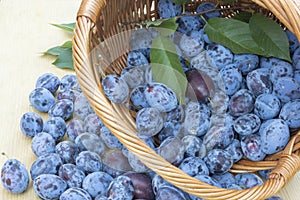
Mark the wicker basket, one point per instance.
(99, 20)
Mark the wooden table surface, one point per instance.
(25, 31)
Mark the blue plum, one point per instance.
(74, 128)
(206, 6)
(246, 62)
(62, 108)
(69, 81)
(248, 180)
(14, 176)
(231, 78)
(259, 82)
(275, 135)
(56, 127)
(91, 142)
(31, 124)
(293, 41)
(160, 96)
(252, 147)
(286, 89)
(190, 45)
(149, 121)
(49, 186)
(97, 183)
(82, 107)
(115, 88)
(67, 150)
(247, 124)
(267, 106)
(242, 102)
(121, 188)
(218, 161)
(45, 164)
(193, 166)
(88, 162)
(75, 194)
(42, 143)
(41, 99)
(290, 114)
(48, 81)
(187, 24)
(72, 175)
(168, 9)
(218, 55)
(136, 58)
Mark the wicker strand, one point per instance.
(287, 166)
(91, 9)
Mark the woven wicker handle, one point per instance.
(289, 163)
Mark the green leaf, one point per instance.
(55, 51)
(166, 67)
(67, 27)
(243, 16)
(233, 34)
(270, 36)
(164, 27)
(155, 23)
(64, 60)
(67, 44)
(181, 2)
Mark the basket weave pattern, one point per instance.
(99, 20)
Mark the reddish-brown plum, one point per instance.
(142, 185)
(200, 85)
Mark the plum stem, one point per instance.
(5, 155)
(210, 101)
